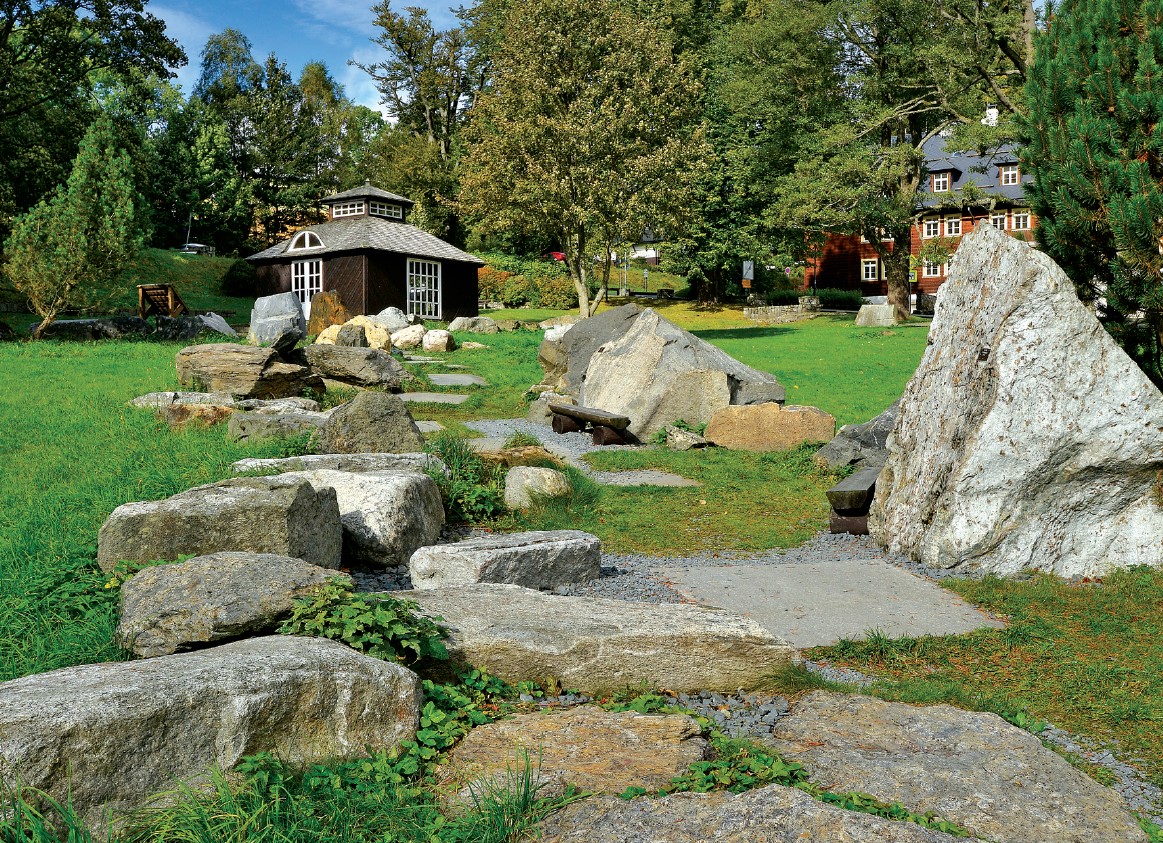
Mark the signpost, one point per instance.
(748, 274)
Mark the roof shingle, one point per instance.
(363, 233)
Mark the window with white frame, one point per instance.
(1010, 174)
(952, 226)
(998, 220)
(306, 280)
(424, 288)
(305, 240)
(931, 227)
(933, 270)
(940, 182)
(384, 209)
(1021, 221)
(346, 209)
(870, 269)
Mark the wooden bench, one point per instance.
(608, 428)
(159, 298)
(850, 499)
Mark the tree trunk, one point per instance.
(897, 274)
(48, 319)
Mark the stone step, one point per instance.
(457, 380)
(429, 426)
(433, 398)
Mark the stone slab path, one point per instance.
(432, 398)
(429, 426)
(457, 380)
(818, 603)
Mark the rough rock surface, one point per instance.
(188, 327)
(210, 599)
(327, 309)
(566, 350)
(772, 814)
(542, 559)
(328, 335)
(418, 462)
(358, 366)
(115, 734)
(678, 439)
(438, 341)
(1027, 438)
(657, 373)
(275, 320)
(372, 422)
(241, 371)
(861, 445)
(177, 416)
(392, 319)
(598, 645)
(283, 515)
(973, 768)
(526, 485)
(352, 336)
(386, 515)
(587, 747)
(112, 328)
(474, 325)
(157, 400)
(409, 337)
(876, 316)
(769, 427)
(253, 427)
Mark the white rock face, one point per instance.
(526, 485)
(438, 341)
(115, 734)
(418, 462)
(393, 319)
(876, 316)
(386, 515)
(542, 559)
(409, 337)
(1027, 438)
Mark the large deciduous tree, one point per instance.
(70, 250)
(587, 133)
(1095, 96)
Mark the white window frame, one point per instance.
(932, 270)
(1021, 221)
(425, 288)
(931, 227)
(941, 182)
(306, 281)
(348, 209)
(302, 242)
(1009, 174)
(386, 209)
(998, 217)
(874, 265)
(953, 226)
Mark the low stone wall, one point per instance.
(808, 308)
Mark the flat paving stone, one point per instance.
(429, 426)
(413, 358)
(644, 477)
(457, 380)
(433, 398)
(818, 603)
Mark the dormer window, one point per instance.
(385, 209)
(940, 182)
(1010, 174)
(347, 209)
(305, 240)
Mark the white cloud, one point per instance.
(191, 32)
(359, 86)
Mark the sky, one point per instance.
(297, 31)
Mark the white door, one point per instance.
(306, 281)
(424, 288)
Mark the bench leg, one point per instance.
(608, 436)
(856, 525)
(565, 424)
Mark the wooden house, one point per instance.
(370, 256)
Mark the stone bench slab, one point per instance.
(853, 494)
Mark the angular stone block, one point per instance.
(543, 559)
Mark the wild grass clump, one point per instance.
(473, 490)
(28, 815)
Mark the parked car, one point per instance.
(557, 256)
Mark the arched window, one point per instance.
(305, 240)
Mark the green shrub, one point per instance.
(555, 291)
(240, 279)
(516, 282)
(28, 815)
(833, 299)
(783, 298)
(472, 490)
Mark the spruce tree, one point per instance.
(1094, 147)
(70, 250)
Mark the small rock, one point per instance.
(410, 337)
(471, 345)
(876, 316)
(256, 426)
(392, 319)
(438, 341)
(351, 336)
(474, 325)
(178, 416)
(372, 422)
(378, 334)
(358, 366)
(678, 439)
(526, 486)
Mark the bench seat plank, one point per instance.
(592, 416)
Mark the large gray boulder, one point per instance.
(474, 325)
(386, 515)
(372, 422)
(542, 559)
(211, 599)
(358, 366)
(391, 319)
(113, 735)
(158, 400)
(277, 321)
(106, 328)
(284, 515)
(600, 646)
(256, 426)
(860, 445)
(242, 371)
(1027, 439)
(418, 462)
(656, 373)
(962, 765)
(565, 355)
(876, 316)
(772, 814)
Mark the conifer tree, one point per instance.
(1095, 94)
(69, 251)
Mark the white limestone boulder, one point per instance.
(526, 486)
(541, 559)
(409, 337)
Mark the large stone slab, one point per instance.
(277, 321)
(327, 309)
(158, 400)
(656, 373)
(599, 645)
(418, 462)
(772, 814)
(283, 515)
(474, 325)
(769, 427)
(565, 355)
(372, 422)
(876, 316)
(542, 559)
(256, 426)
(211, 599)
(358, 366)
(1027, 439)
(993, 779)
(861, 445)
(115, 734)
(853, 494)
(592, 749)
(386, 515)
(433, 398)
(241, 371)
